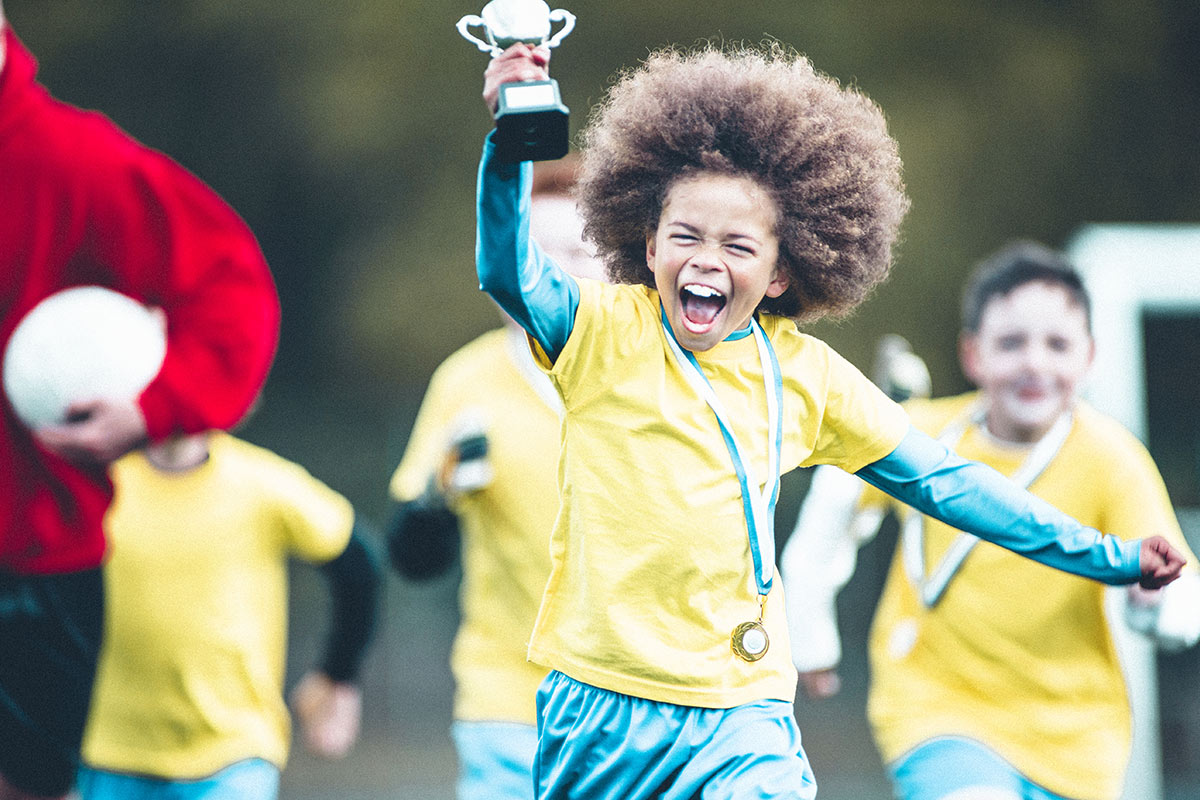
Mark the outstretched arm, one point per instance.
(975, 498)
(528, 285)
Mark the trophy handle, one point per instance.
(474, 20)
(568, 21)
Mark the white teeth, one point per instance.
(700, 290)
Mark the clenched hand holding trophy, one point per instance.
(531, 120)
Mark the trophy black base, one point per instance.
(531, 122)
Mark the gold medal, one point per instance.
(749, 641)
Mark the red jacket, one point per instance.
(83, 203)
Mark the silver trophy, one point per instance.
(531, 120)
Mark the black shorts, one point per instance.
(50, 631)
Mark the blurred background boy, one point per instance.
(1006, 689)
(188, 700)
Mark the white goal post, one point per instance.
(1132, 270)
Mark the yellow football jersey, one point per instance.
(1017, 655)
(191, 671)
(651, 563)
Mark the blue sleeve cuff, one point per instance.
(975, 498)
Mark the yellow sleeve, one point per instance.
(316, 520)
(861, 424)
(427, 441)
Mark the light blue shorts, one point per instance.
(595, 744)
(253, 779)
(939, 767)
(495, 760)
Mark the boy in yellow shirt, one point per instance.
(189, 693)
(991, 674)
(729, 193)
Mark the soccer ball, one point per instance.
(78, 344)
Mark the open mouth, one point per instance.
(1031, 392)
(700, 304)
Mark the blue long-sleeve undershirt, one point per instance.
(922, 472)
(527, 284)
(970, 496)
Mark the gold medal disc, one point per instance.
(749, 641)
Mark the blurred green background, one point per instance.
(347, 135)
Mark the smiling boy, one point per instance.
(994, 677)
(714, 257)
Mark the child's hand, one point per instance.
(820, 684)
(518, 63)
(98, 431)
(1160, 562)
(330, 714)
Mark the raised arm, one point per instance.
(975, 498)
(527, 284)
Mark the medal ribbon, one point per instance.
(757, 506)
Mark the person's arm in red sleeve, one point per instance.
(172, 242)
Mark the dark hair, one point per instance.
(822, 152)
(1014, 265)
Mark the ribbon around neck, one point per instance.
(758, 506)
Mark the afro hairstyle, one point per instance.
(821, 151)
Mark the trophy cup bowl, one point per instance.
(531, 120)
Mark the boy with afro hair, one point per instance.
(730, 194)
